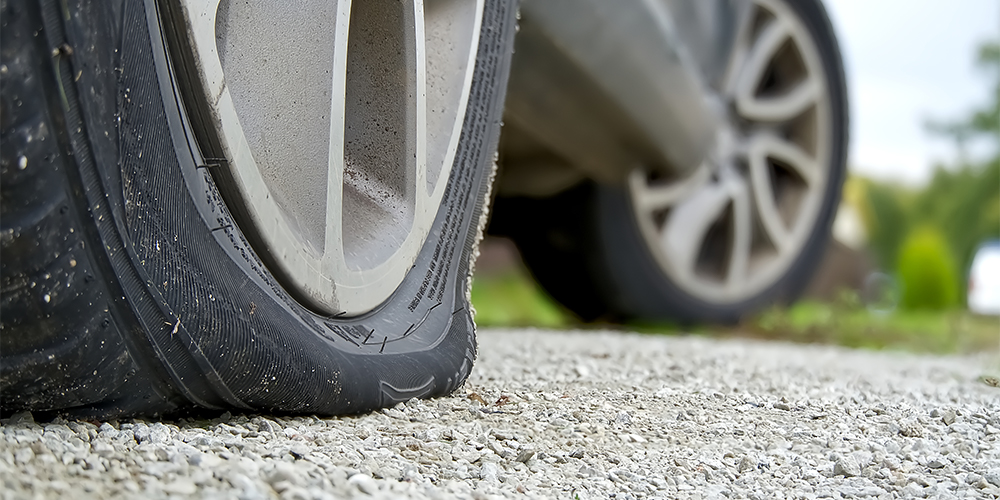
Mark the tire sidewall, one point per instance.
(234, 327)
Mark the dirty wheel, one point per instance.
(232, 205)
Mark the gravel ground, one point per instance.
(571, 415)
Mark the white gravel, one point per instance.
(572, 415)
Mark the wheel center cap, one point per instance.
(727, 137)
(727, 145)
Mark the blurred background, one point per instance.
(921, 200)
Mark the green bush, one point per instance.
(887, 219)
(926, 271)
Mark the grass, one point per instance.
(954, 331)
(513, 299)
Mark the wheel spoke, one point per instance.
(759, 56)
(791, 102)
(741, 45)
(651, 198)
(759, 151)
(688, 224)
(419, 177)
(384, 115)
(335, 157)
(739, 256)
(782, 107)
(788, 153)
(285, 133)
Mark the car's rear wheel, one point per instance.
(748, 227)
(226, 205)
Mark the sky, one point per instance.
(907, 62)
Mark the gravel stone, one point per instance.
(993, 477)
(949, 417)
(181, 487)
(23, 418)
(365, 484)
(587, 415)
(489, 472)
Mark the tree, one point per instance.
(962, 201)
(983, 122)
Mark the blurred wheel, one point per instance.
(731, 231)
(748, 227)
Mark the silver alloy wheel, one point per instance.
(339, 123)
(735, 226)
